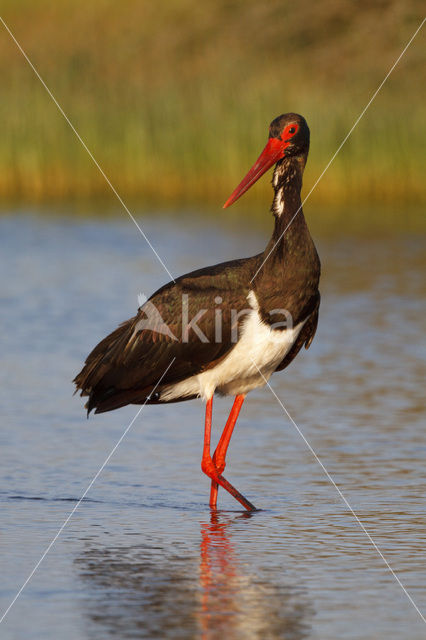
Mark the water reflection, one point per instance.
(235, 602)
(138, 592)
(156, 592)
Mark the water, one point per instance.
(142, 556)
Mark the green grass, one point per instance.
(175, 100)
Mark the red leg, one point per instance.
(223, 444)
(209, 468)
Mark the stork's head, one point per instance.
(288, 136)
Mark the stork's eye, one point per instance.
(292, 130)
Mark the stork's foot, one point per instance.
(210, 470)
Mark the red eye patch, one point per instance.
(289, 131)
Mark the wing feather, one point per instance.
(126, 365)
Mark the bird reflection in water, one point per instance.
(218, 575)
(143, 591)
(235, 602)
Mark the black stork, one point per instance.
(226, 328)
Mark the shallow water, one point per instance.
(142, 556)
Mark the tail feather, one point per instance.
(104, 360)
(115, 399)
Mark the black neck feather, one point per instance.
(289, 272)
(287, 203)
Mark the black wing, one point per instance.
(126, 366)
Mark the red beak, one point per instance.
(273, 152)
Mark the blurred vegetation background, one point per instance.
(174, 98)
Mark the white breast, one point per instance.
(259, 347)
